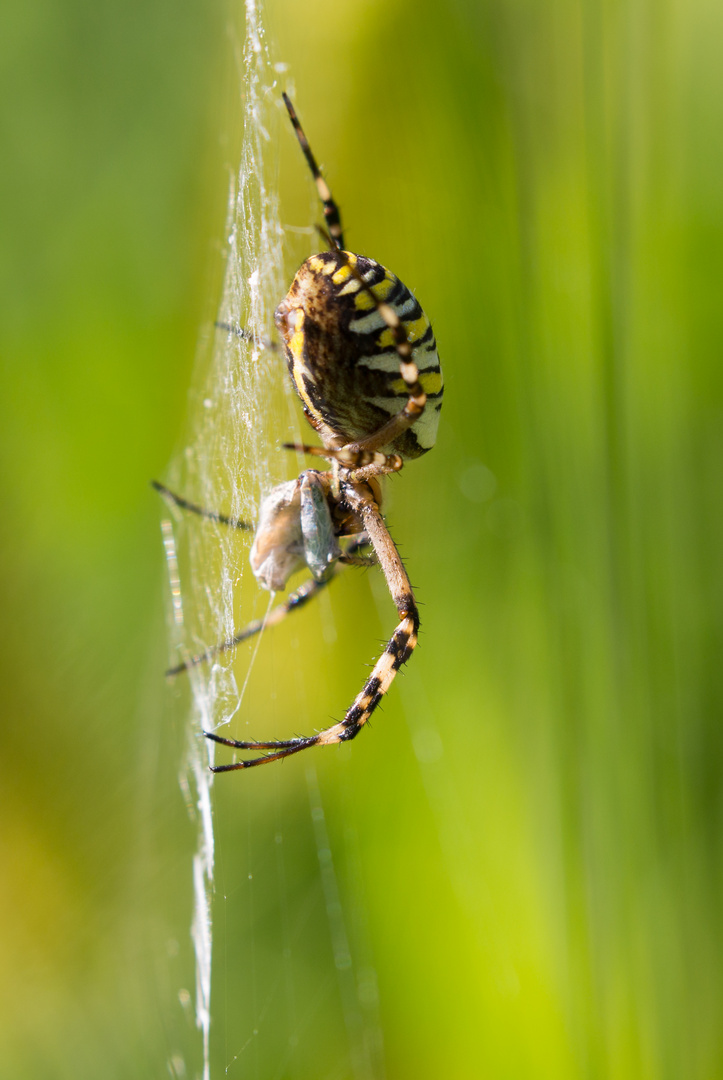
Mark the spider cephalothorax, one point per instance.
(363, 359)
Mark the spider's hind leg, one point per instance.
(398, 650)
(284, 748)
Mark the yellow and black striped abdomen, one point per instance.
(342, 356)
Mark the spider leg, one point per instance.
(295, 600)
(283, 749)
(331, 210)
(365, 463)
(357, 560)
(247, 335)
(193, 508)
(398, 649)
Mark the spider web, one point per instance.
(239, 411)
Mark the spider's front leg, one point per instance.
(398, 649)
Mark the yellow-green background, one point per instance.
(528, 842)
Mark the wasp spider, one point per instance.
(363, 359)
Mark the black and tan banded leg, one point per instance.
(295, 600)
(398, 650)
(332, 215)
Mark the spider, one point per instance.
(363, 359)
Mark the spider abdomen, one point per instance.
(342, 356)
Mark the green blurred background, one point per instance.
(527, 844)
